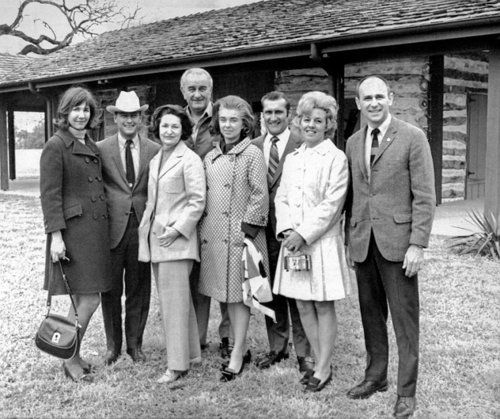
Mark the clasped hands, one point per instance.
(293, 241)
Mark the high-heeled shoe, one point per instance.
(227, 374)
(314, 384)
(85, 378)
(306, 377)
(170, 376)
(247, 358)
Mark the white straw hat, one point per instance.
(127, 102)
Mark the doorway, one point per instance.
(476, 145)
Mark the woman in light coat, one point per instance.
(237, 206)
(309, 205)
(168, 236)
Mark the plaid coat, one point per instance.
(236, 193)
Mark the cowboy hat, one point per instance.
(127, 102)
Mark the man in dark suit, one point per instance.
(390, 217)
(125, 159)
(196, 88)
(276, 145)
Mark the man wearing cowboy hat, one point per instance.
(125, 158)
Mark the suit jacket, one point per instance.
(120, 197)
(294, 142)
(180, 202)
(397, 201)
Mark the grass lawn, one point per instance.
(459, 370)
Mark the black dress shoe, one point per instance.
(137, 355)
(269, 359)
(80, 378)
(111, 357)
(405, 407)
(314, 384)
(225, 348)
(366, 388)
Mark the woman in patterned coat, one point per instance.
(237, 206)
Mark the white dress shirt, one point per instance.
(281, 144)
(368, 140)
(134, 148)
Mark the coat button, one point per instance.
(225, 213)
(227, 185)
(91, 179)
(95, 216)
(104, 216)
(98, 178)
(93, 199)
(225, 241)
(87, 160)
(96, 161)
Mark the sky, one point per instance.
(151, 10)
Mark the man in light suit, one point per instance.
(196, 88)
(125, 160)
(276, 115)
(390, 217)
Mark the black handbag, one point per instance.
(57, 335)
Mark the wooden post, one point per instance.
(12, 144)
(338, 92)
(49, 116)
(4, 159)
(435, 124)
(492, 184)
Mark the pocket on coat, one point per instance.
(402, 218)
(174, 184)
(72, 211)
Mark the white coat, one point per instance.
(309, 200)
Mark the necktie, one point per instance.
(274, 159)
(129, 163)
(374, 150)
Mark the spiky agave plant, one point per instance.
(485, 242)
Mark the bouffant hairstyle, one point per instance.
(176, 110)
(239, 104)
(72, 97)
(319, 100)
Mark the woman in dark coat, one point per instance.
(75, 216)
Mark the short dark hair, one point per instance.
(72, 97)
(176, 110)
(376, 76)
(239, 104)
(276, 95)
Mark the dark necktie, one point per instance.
(129, 163)
(374, 149)
(274, 159)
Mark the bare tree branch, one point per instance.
(83, 18)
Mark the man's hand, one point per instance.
(168, 236)
(294, 241)
(57, 247)
(413, 260)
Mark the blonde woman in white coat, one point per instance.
(168, 237)
(309, 205)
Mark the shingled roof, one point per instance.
(272, 23)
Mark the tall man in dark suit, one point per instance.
(276, 145)
(125, 159)
(196, 88)
(390, 219)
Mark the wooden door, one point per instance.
(476, 145)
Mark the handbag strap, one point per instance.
(68, 290)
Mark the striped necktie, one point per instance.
(274, 159)
(374, 149)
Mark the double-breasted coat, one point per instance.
(73, 201)
(236, 193)
(176, 198)
(310, 200)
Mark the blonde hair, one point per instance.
(319, 100)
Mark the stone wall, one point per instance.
(462, 74)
